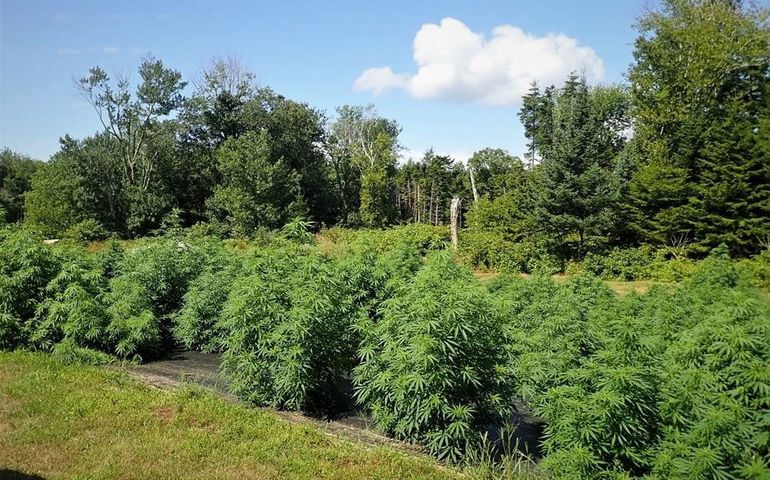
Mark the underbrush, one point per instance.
(492, 251)
(670, 384)
(425, 238)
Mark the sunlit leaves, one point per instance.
(429, 366)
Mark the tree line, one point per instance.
(679, 156)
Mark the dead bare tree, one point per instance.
(454, 223)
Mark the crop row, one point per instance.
(671, 384)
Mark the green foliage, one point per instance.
(426, 188)
(147, 291)
(298, 230)
(547, 328)
(26, 267)
(377, 193)
(198, 324)
(491, 250)
(757, 269)
(504, 214)
(255, 191)
(54, 203)
(642, 263)
(73, 310)
(702, 111)
(496, 173)
(429, 366)
(86, 231)
(423, 237)
(68, 352)
(661, 385)
(576, 184)
(670, 384)
(290, 338)
(16, 172)
(363, 149)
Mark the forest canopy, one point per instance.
(676, 158)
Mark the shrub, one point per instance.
(546, 327)
(146, 293)
(674, 386)
(198, 324)
(424, 237)
(379, 277)
(73, 310)
(206, 229)
(641, 263)
(626, 264)
(490, 250)
(757, 269)
(26, 267)
(715, 391)
(298, 230)
(290, 338)
(604, 407)
(68, 351)
(429, 367)
(86, 231)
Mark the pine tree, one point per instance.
(700, 85)
(575, 194)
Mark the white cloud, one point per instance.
(110, 49)
(457, 64)
(378, 80)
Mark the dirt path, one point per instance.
(203, 369)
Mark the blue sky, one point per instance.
(317, 51)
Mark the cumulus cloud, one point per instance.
(456, 64)
(381, 79)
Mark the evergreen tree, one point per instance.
(700, 85)
(536, 115)
(574, 194)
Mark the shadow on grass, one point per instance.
(16, 475)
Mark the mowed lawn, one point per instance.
(59, 421)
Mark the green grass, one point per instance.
(60, 421)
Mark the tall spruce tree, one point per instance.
(575, 195)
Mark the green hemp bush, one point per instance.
(290, 338)
(429, 366)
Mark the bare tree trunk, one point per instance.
(473, 185)
(417, 205)
(408, 197)
(430, 205)
(454, 226)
